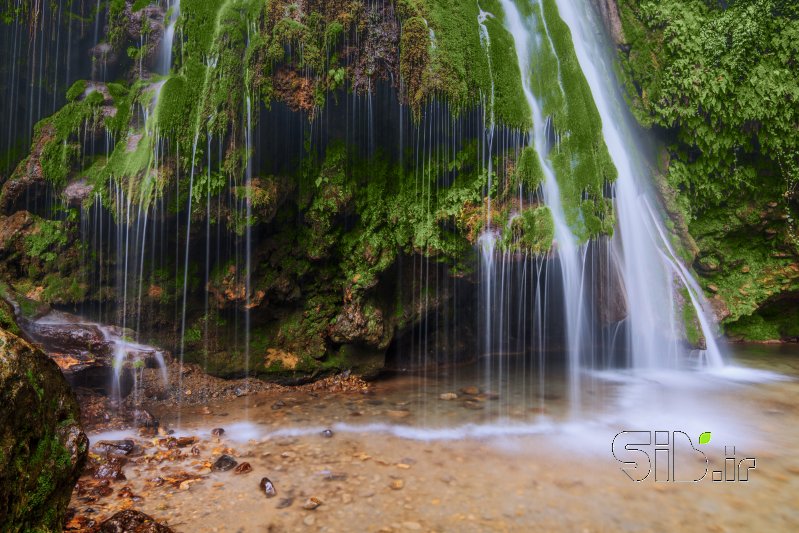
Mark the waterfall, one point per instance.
(165, 59)
(570, 255)
(650, 270)
(649, 263)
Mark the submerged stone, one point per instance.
(131, 521)
(243, 468)
(224, 463)
(268, 488)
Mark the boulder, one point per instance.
(42, 446)
(131, 521)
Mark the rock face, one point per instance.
(609, 11)
(42, 446)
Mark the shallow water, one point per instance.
(402, 458)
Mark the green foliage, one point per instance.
(723, 81)
(46, 240)
(532, 231)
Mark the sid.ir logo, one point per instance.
(673, 457)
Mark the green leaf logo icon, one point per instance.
(704, 438)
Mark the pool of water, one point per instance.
(443, 453)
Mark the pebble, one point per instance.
(311, 503)
(471, 391)
(327, 433)
(473, 405)
(284, 503)
(448, 396)
(397, 484)
(217, 432)
(224, 463)
(243, 468)
(269, 489)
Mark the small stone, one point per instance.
(397, 484)
(712, 288)
(474, 405)
(327, 433)
(283, 503)
(448, 396)
(217, 432)
(311, 503)
(269, 489)
(334, 476)
(195, 450)
(396, 413)
(188, 392)
(471, 391)
(745, 269)
(243, 468)
(309, 520)
(224, 463)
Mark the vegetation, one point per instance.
(718, 82)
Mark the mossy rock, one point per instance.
(42, 446)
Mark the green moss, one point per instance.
(528, 169)
(44, 242)
(76, 90)
(581, 160)
(532, 231)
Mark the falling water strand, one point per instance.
(649, 263)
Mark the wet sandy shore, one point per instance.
(402, 458)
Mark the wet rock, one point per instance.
(118, 447)
(131, 521)
(327, 433)
(268, 488)
(43, 446)
(609, 11)
(448, 396)
(224, 463)
(217, 432)
(111, 469)
(311, 503)
(76, 192)
(470, 391)
(144, 419)
(360, 324)
(243, 468)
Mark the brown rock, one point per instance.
(131, 521)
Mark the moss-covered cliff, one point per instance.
(718, 82)
(297, 174)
